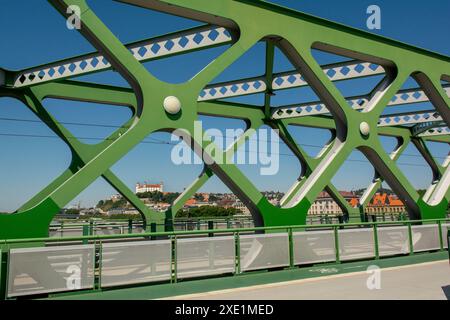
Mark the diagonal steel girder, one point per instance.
(146, 50)
(403, 97)
(438, 131)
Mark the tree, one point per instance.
(72, 211)
(199, 197)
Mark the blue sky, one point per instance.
(33, 33)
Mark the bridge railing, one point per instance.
(36, 267)
(109, 227)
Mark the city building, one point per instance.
(325, 204)
(240, 206)
(384, 203)
(116, 197)
(145, 187)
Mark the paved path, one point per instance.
(429, 280)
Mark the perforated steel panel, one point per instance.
(425, 237)
(101, 231)
(356, 244)
(136, 262)
(393, 241)
(136, 230)
(66, 232)
(264, 251)
(314, 247)
(445, 228)
(221, 225)
(205, 256)
(53, 269)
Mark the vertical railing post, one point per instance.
(152, 230)
(85, 233)
(98, 250)
(174, 259)
(375, 239)
(291, 248)
(441, 237)
(62, 229)
(336, 244)
(91, 227)
(4, 263)
(210, 227)
(238, 252)
(130, 226)
(410, 238)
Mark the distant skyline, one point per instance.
(34, 33)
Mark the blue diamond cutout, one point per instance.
(373, 66)
(202, 93)
(291, 79)
(387, 120)
(169, 45)
(223, 90)
(331, 73)
(345, 70)
(183, 41)
(94, 62)
(51, 72)
(155, 48)
(257, 85)
(41, 74)
(83, 64)
(308, 109)
(405, 96)
(198, 38)
(245, 86)
(359, 68)
(397, 119)
(105, 62)
(234, 88)
(142, 51)
(72, 67)
(61, 70)
(227, 33)
(213, 35)
(417, 95)
(212, 92)
(279, 81)
(416, 117)
(407, 118)
(394, 98)
(319, 107)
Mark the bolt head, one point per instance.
(364, 128)
(172, 105)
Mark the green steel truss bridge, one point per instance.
(355, 122)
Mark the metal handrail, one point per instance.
(214, 231)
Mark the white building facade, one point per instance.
(144, 187)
